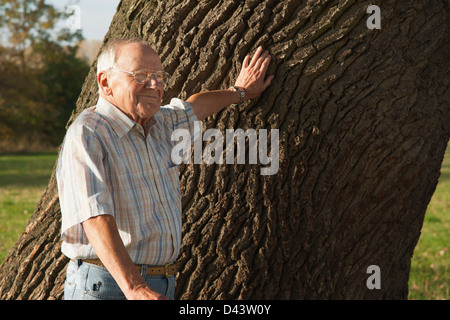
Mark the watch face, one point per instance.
(242, 96)
(241, 93)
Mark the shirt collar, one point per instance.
(116, 118)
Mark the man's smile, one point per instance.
(149, 96)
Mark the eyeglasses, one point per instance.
(143, 76)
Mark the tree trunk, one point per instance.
(363, 118)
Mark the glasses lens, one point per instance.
(145, 76)
(159, 76)
(140, 77)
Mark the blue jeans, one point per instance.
(90, 282)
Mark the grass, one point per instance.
(23, 179)
(430, 266)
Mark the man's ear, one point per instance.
(103, 83)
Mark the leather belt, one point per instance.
(167, 270)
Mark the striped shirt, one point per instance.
(107, 166)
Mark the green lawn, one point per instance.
(23, 179)
(430, 269)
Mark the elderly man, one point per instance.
(119, 191)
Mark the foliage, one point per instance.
(40, 74)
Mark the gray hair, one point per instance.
(108, 56)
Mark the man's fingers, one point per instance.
(261, 59)
(265, 65)
(246, 61)
(256, 56)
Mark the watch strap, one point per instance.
(241, 93)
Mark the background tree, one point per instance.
(25, 22)
(40, 74)
(364, 122)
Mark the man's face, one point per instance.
(140, 102)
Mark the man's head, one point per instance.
(117, 66)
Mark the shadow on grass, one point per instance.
(26, 170)
(26, 180)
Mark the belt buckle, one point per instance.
(166, 271)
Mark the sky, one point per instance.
(95, 15)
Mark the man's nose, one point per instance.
(151, 82)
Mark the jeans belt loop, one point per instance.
(143, 270)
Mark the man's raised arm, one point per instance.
(251, 80)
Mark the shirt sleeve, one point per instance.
(81, 178)
(179, 115)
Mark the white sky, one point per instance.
(95, 15)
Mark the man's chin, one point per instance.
(149, 109)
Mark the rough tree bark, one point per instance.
(364, 122)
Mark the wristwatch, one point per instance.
(242, 94)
